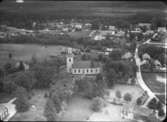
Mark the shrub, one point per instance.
(127, 97)
(118, 94)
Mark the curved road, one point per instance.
(139, 76)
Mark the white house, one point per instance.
(81, 67)
(7, 110)
(162, 29)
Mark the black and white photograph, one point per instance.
(83, 60)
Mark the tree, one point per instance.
(25, 79)
(161, 112)
(152, 104)
(115, 55)
(1, 79)
(8, 85)
(139, 101)
(127, 97)
(98, 103)
(21, 102)
(43, 75)
(50, 111)
(118, 94)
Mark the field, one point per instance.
(26, 51)
(157, 83)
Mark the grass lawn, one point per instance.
(151, 80)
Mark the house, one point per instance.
(127, 55)
(147, 25)
(161, 29)
(99, 37)
(146, 56)
(3, 112)
(79, 67)
(111, 27)
(157, 63)
(7, 110)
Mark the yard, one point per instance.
(35, 113)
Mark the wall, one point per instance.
(85, 70)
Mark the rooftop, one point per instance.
(85, 64)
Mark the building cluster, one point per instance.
(7, 31)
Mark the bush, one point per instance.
(127, 97)
(118, 94)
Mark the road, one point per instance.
(139, 76)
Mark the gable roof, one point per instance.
(85, 64)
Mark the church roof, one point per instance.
(85, 64)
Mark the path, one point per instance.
(138, 74)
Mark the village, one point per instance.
(78, 70)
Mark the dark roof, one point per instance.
(85, 64)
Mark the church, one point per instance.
(80, 67)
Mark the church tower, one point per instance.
(69, 60)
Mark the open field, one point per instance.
(26, 51)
